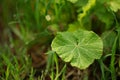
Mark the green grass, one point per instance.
(15, 67)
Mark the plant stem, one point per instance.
(112, 64)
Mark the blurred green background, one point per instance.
(27, 28)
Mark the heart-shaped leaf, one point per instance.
(80, 48)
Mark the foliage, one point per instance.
(114, 5)
(79, 48)
(33, 31)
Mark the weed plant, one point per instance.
(28, 27)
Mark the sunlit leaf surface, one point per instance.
(80, 48)
(73, 1)
(115, 5)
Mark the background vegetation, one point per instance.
(27, 28)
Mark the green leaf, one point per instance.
(86, 8)
(103, 15)
(74, 26)
(73, 1)
(115, 5)
(80, 48)
(108, 38)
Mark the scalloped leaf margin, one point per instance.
(80, 48)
